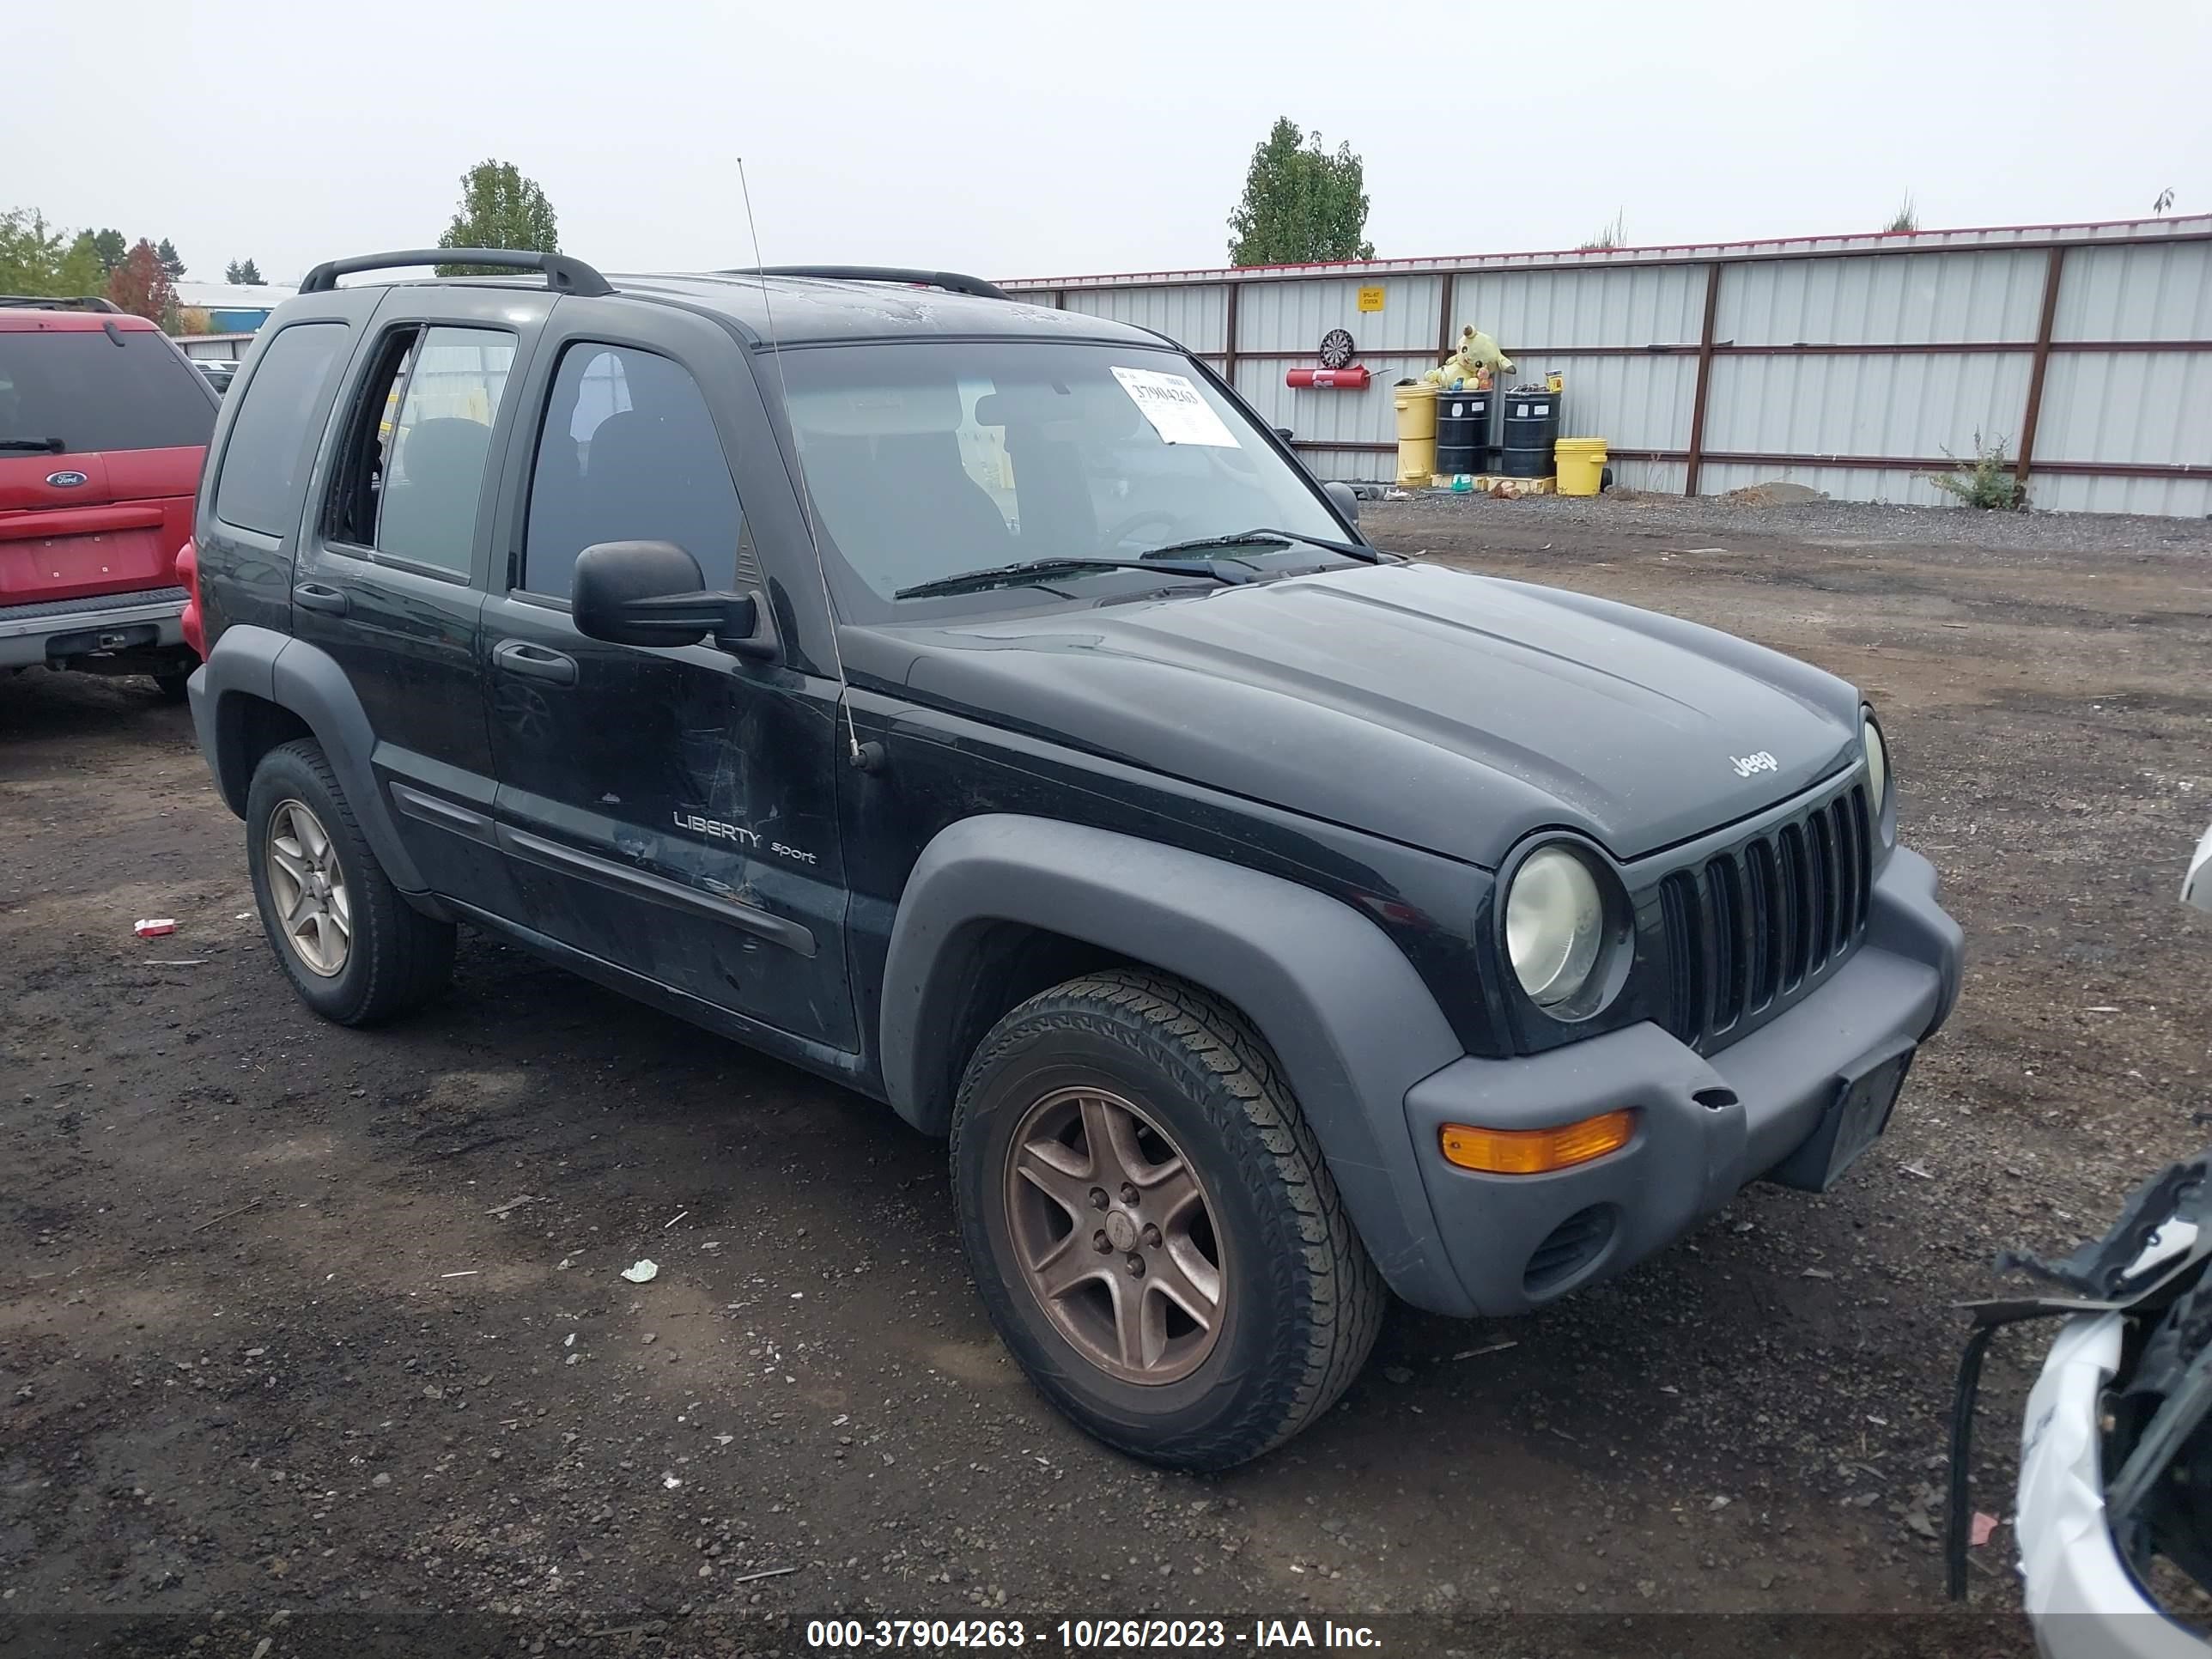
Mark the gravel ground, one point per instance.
(278, 1342)
(1830, 524)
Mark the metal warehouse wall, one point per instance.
(1853, 364)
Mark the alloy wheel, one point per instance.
(1113, 1232)
(309, 889)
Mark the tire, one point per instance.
(1299, 1302)
(394, 956)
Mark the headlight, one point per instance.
(1877, 759)
(1554, 925)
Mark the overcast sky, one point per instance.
(1047, 138)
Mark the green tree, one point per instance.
(501, 209)
(81, 272)
(113, 250)
(242, 273)
(31, 254)
(1907, 217)
(1301, 203)
(34, 258)
(166, 254)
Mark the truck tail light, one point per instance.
(1535, 1152)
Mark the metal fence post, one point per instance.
(1229, 337)
(2033, 416)
(1696, 459)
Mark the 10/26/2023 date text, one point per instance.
(1087, 1635)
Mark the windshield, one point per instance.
(927, 459)
(95, 394)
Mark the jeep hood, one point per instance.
(1447, 711)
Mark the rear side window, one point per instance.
(97, 391)
(270, 447)
(627, 453)
(439, 443)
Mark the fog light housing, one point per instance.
(1536, 1152)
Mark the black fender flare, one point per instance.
(251, 662)
(1351, 1022)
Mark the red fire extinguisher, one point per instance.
(1352, 379)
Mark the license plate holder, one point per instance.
(1854, 1121)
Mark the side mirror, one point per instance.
(1346, 497)
(1284, 433)
(652, 593)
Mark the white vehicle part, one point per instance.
(2197, 886)
(2080, 1597)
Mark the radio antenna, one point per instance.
(805, 490)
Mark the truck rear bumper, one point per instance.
(59, 631)
(1706, 1125)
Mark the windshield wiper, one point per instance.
(1002, 575)
(51, 446)
(1248, 538)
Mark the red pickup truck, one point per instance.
(103, 426)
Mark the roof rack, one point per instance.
(55, 302)
(952, 281)
(562, 274)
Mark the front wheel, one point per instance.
(1151, 1226)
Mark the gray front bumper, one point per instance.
(58, 630)
(1706, 1128)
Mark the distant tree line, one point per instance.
(499, 207)
(38, 258)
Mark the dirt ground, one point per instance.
(298, 1321)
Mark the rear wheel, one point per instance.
(354, 948)
(1151, 1226)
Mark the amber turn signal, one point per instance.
(1533, 1151)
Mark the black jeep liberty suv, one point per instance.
(978, 705)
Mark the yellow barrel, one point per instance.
(1417, 461)
(1417, 411)
(1417, 433)
(1580, 462)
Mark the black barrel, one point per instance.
(1532, 426)
(1462, 432)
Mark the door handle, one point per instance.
(535, 662)
(320, 596)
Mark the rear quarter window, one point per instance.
(100, 392)
(271, 446)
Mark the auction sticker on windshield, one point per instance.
(1177, 413)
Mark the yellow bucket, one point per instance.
(1581, 465)
(1417, 411)
(1416, 460)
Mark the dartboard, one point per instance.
(1336, 349)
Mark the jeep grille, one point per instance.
(1752, 929)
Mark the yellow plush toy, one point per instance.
(1476, 361)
